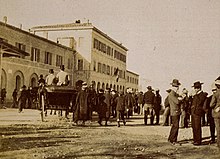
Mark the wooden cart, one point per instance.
(57, 98)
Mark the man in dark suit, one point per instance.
(175, 111)
(197, 110)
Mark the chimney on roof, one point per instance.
(20, 26)
(5, 19)
(78, 21)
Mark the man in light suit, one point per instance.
(175, 111)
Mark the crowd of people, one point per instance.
(182, 109)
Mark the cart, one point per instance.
(57, 98)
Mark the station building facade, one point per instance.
(132, 80)
(106, 57)
(42, 55)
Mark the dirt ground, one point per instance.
(57, 138)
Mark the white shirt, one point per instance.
(49, 79)
(62, 78)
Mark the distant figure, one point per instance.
(184, 117)
(157, 106)
(166, 114)
(3, 95)
(14, 96)
(81, 105)
(120, 108)
(102, 107)
(63, 77)
(41, 81)
(29, 97)
(140, 102)
(22, 98)
(149, 105)
(108, 102)
(50, 79)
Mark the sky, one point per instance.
(166, 39)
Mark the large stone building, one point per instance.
(106, 57)
(87, 53)
(39, 55)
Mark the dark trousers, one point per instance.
(212, 127)
(197, 128)
(217, 125)
(149, 112)
(157, 115)
(174, 128)
(120, 115)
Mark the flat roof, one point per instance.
(132, 73)
(75, 26)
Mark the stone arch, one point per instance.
(18, 79)
(117, 88)
(98, 86)
(111, 86)
(103, 86)
(33, 80)
(93, 84)
(4, 79)
(106, 86)
(120, 88)
(114, 87)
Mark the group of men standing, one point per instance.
(197, 104)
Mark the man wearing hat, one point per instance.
(22, 98)
(166, 114)
(184, 117)
(81, 105)
(197, 111)
(63, 77)
(208, 110)
(149, 105)
(215, 104)
(175, 102)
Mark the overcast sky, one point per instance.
(166, 38)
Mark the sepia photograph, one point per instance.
(109, 79)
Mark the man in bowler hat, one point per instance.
(197, 110)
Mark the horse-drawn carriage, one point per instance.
(56, 98)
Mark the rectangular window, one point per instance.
(104, 68)
(59, 60)
(80, 64)
(35, 54)
(108, 70)
(69, 66)
(99, 67)
(94, 66)
(20, 46)
(48, 58)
